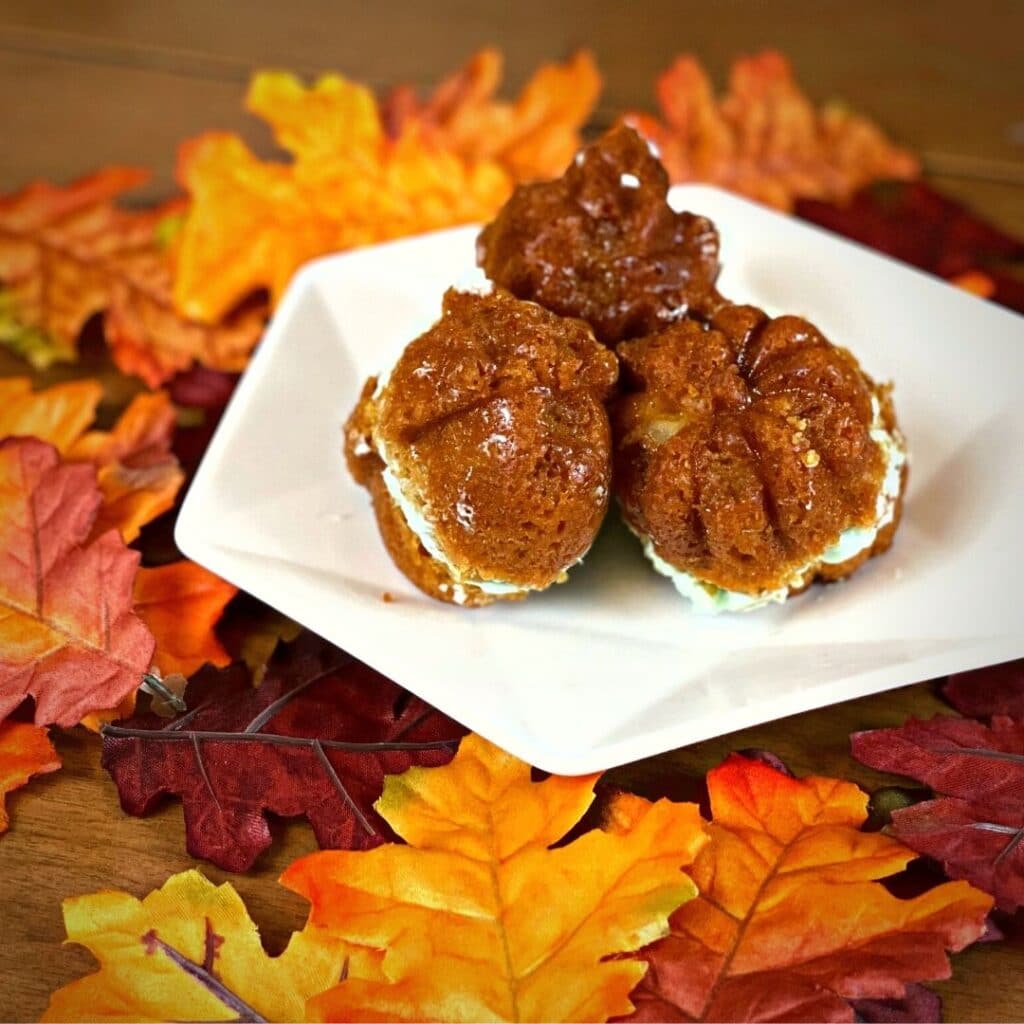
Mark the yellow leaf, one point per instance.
(60, 414)
(188, 951)
(478, 918)
(355, 179)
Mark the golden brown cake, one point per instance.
(487, 451)
(601, 243)
(752, 456)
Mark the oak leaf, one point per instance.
(181, 603)
(25, 750)
(316, 739)
(997, 690)
(352, 181)
(975, 827)
(69, 253)
(478, 917)
(68, 636)
(764, 138)
(188, 951)
(791, 921)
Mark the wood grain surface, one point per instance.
(83, 84)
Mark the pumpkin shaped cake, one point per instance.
(601, 243)
(487, 451)
(753, 456)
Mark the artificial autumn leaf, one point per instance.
(59, 415)
(791, 922)
(533, 138)
(920, 1006)
(67, 254)
(764, 138)
(478, 918)
(316, 739)
(997, 690)
(976, 826)
(25, 750)
(917, 224)
(68, 636)
(188, 951)
(262, 631)
(253, 223)
(181, 603)
(137, 474)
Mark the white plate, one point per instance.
(614, 666)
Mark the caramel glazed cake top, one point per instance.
(753, 456)
(601, 243)
(487, 451)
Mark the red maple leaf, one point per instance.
(68, 636)
(975, 826)
(315, 739)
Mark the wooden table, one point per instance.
(83, 84)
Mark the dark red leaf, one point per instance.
(920, 1004)
(203, 388)
(976, 826)
(914, 223)
(998, 690)
(1009, 289)
(315, 739)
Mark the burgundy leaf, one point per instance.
(976, 826)
(997, 690)
(203, 388)
(914, 223)
(315, 739)
(920, 1004)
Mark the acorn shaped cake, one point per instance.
(753, 456)
(487, 450)
(602, 243)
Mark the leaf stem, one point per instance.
(274, 739)
(205, 978)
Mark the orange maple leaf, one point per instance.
(25, 750)
(188, 951)
(790, 921)
(478, 918)
(138, 475)
(181, 603)
(68, 636)
(59, 415)
(533, 137)
(69, 253)
(764, 138)
(358, 177)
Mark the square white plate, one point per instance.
(614, 666)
